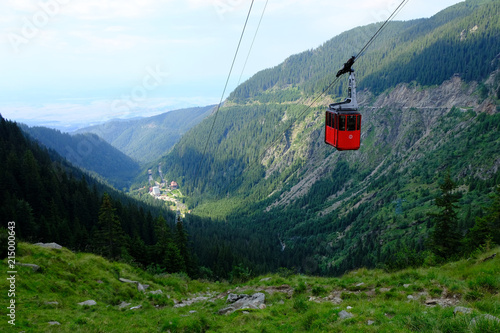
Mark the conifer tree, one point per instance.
(445, 239)
(486, 228)
(109, 237)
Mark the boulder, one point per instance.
(244, 302)
(345, 315)
(123, 305)
(461, 309)
(50, 245)
(156, 292)
(90, 302)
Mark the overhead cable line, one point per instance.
(360, 53)
(253, 41)
(223, 92)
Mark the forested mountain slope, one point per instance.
(50, 200)
(147, 139)
(90, 152)
(429, 92)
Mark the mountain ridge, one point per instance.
(270, 147)
(147, 139)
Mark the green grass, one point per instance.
(294, 303)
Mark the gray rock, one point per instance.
(231, 298)
(123, 305)
(127, 280)
(360, 284)
(482, 317)
(265, 279)
(90, 302)
(244, 302)
(50, 245)
(370, 322)
(406, 285)
(193, 311)
(345, 315)
(461, 309)
(410, 297)
(51, 303)
(33, 266)
(142, 287)
(136, 307)
(54, 323)
(156, 292)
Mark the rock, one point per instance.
(123, 305)
(90, 302)
(50, 245)
(262, 306)
(51, 303)
(410, 297)
(231, 298)
(370, 322)
(33, 266)
(482, 317)
(244, 302)
(265, 279)
(349, 307)
(142, 287)
(127, 280)
(336, 300)
(193, 311)
(136, 307)
(360, 284)
(406, 285)
(156, 292)
(431, 302)
(461, 309)
(54, 323)
(345, 315)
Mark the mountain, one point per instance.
(44, 198)
(429, 93)
(90, 152)
(147, 139)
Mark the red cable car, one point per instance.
(343, 130)
(343, 122)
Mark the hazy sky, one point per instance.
(70, 62)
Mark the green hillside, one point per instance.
(147, 139)
(459, 297)
(90, 153)
(289, 200)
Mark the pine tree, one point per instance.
(486, 228)
(445, 239)
(109, 237)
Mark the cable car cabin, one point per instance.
(343, 129)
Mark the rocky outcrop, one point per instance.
(50, 245)
(243, 301)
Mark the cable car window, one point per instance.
(341, 123)
(358, 123)
(351, 123)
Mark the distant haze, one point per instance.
(68, 63)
